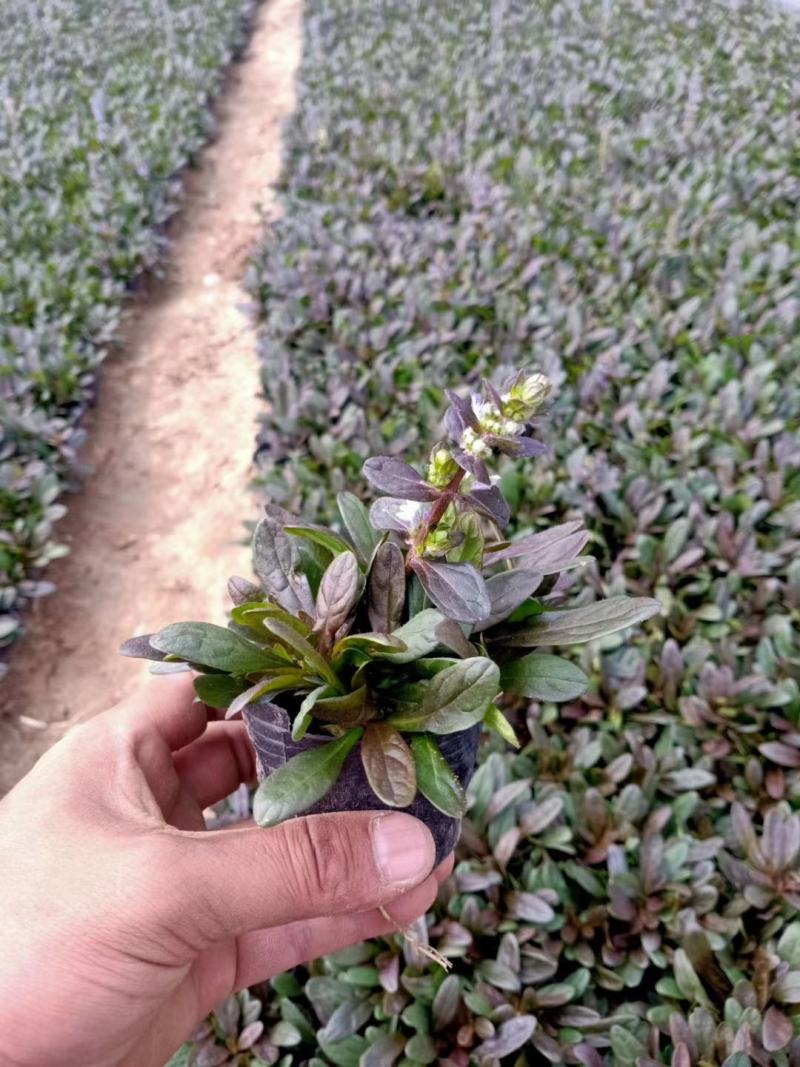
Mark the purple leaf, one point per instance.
(783, 755)
(455, 588)
(459, 415)
(451, 635)
(392, 513)
(529, 907)
(491, 502)
(512, 1035)
(492, 394)
(516, 446)
(475, 466)
(242, 591)
(446, 1002)
(778, 1030)
(548, 551)
(393, 476)
(386, 589)
(276, 560)
(251, 1033)
(338, 593)
(140, 648)
(575, 625)
(506, 592)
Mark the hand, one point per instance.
(124, 921)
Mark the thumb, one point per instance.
(320, 865)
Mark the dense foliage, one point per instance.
(102, 104)
(404, 630)
(609, 190)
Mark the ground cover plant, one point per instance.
(611, 191)
(380, 653)
(103, 104)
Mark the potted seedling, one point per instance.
(369, 657)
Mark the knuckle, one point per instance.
(323, 859)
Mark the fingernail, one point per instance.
(403, 849)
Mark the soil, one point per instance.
(157, 529)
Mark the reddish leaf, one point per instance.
(455, 588)
(389, 765)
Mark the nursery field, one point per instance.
(103, 104)
(607, 192)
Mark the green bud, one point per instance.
(442, 468)
(526, 397)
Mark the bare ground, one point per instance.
(158, 526)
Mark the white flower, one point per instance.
(474, 444)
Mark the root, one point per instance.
(423, 949)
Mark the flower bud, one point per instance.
(442, 468)
(525, 398)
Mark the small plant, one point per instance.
(396, 635)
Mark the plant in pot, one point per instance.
(368, 658)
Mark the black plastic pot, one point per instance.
(271, 733)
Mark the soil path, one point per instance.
(157, 529)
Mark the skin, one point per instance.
(125, 921)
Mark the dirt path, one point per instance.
(156, 530)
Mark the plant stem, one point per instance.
(449, 492)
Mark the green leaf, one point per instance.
(418, 635)
(626, 1046)
(301, 782)
(279, 683)
(305, 715)
(435, 778)
(470, 549)
(542, 677)
(318, 535)
(355, 518)
(389, 765)
(345, 1053)
(183, 1057)
(316, 663)
(252, 615)
(417, 600)
(421, 1049)
(218, 690)
(454, 699)
(575, 625)
(214, 646)
(383, 1051)
(360, 648)
(352, 709)
(495, 720)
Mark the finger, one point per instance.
(165, 705)
(217, 763)
(265, 953)
(319, 865)
(445, 868)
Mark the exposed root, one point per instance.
(419, 946)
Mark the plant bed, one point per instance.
(367, 660)
(104, 107)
